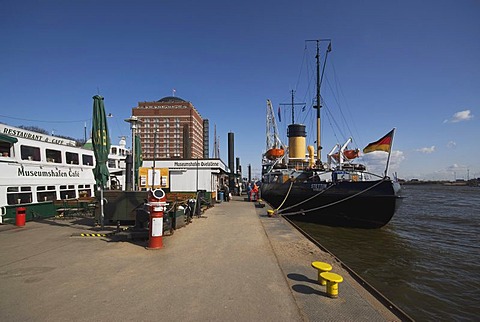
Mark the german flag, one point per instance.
(384, 144)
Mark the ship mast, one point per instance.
(292, 104)
(318, 97)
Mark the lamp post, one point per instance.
(154, 157)
(133, 120)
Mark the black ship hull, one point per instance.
(362, 204)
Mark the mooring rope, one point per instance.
(308, 199)
(330, 204)
(286, 196)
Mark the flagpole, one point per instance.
(389, 152)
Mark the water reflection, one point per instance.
(422, 259)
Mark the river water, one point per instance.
(426, 260)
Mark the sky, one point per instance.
(409, 65)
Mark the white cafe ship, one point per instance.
(38, 170)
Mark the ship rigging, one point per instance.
(338, 192)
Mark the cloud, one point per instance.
(455, 167)
(427, 150)
(451, 144)
(460, 117)
(376, 161)
(451, 172)
(396, 158)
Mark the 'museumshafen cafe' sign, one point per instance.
(48, 173)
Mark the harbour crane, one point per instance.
(275, 148)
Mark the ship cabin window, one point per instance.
(30, 153)
(6, 143)
(114, 150)
(84, 191)
(72, 158)
(67, 192)
(19, 195)
(112, 163)
(53, 156)
(4, 149)
(46, 193)
(87, 159)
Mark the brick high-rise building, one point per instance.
(170, 128)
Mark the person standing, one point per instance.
(227, 193)
(249, 191)
(255, 192)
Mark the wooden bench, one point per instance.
(83, 206)
(88, 204)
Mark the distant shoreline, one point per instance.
(462, 183)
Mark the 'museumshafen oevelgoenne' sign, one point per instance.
(194, 164)
(188, 164)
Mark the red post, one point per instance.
(20, 216)
(157, 201)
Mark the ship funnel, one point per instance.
(296, 141)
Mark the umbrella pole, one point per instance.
(101, 208)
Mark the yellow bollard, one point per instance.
(321, 267)
(270, 213)
(332, 283)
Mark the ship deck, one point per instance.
(232, 264)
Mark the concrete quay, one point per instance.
(232, 264)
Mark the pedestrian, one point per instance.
(227, 193)
(255, 192)
(249, 191)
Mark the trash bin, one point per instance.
(180, 218)
(220, 196)
(142, 217)
(20, 216)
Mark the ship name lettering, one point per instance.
(318, 186)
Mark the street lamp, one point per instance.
(133, 120)
(154, 156)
